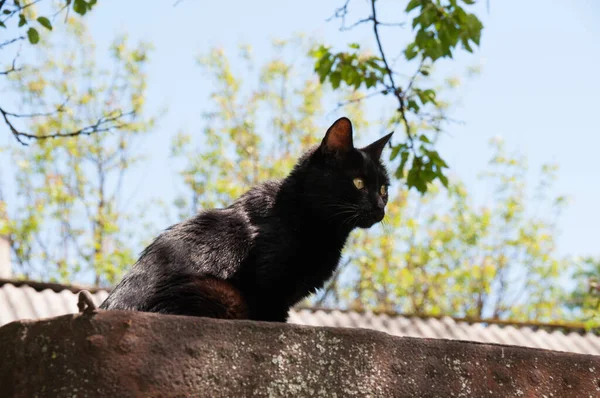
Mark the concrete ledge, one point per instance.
(135, 354)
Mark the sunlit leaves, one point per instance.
(238, 151)
(438, 28)
(450, 256)
(68, 217)
(25, 15)
(354, 68)
(585, 299)
(33, 35)
(81, 7)
(45, 22)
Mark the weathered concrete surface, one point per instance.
(120, 354)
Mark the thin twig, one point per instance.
(60, 10)
(12, 68)
(414, 76)
(360, 99)
(12, 128)
(340, 12)
(19, 9)
(355, 24)
(103, 124)
(6, 43)
(60, 109)
(398, 93)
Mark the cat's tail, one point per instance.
(197, 295)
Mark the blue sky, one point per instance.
(538, 88)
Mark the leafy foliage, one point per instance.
(585, 299)
(441, 254)
(255, 132)
(68, 218)
(438, 27)
(23, 14)
(22, 20)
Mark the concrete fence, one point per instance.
(122, 354)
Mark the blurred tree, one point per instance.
(255, 131)
(68, 220)
(441, 254)
(30, 20)
(436, 254)
(439, 27)
(585, 299)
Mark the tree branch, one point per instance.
(359, 99)
(18, 10)
(7, 42)
(12, 69)
(104, 123)
(342, 11)
(397, 91)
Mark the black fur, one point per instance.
(271, 248)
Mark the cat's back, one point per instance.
(213, 243)
(260, 200)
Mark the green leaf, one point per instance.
(421, 186)
(411, 51)
(335, 79)
(371, 81)
(80, 7)
(355, 46)
(323, 66)
(2, 24)
(412, 105)
(436, 159)
(412, 5)
(426, 95)
(403, 160)
(396, 150)
(33, 35)
(466, 45)
(443, 179)
(45, 22)
(7, 11)
(22, 20)
(428, 175)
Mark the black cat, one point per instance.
(272, 247)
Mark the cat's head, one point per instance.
(344, 184)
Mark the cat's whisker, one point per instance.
(352, 212)
(386, 227)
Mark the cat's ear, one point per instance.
(338, 137)
(375, 149)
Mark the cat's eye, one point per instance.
(359, 183)
(383, 190)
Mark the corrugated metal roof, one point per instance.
(559, 339)
(18, 300)
(25, 302)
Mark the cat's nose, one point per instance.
(380, 203)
